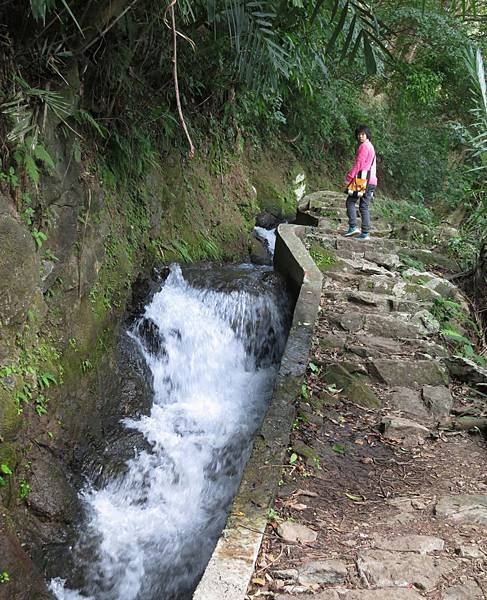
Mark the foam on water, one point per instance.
(149, 534)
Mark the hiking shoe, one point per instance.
(363, 236)
(352, 231)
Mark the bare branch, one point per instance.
(175, 34)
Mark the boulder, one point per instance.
(403, 430)
(438, 399)
(466, 370)
(408, 401)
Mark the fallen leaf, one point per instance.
(339, 448)
(355, 498)
(258, 581)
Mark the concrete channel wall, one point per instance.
(231, 566)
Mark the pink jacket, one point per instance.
(364, 161)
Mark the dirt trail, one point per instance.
(385, 493)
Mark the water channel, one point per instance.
(212, 338)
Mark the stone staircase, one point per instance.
(381, 371)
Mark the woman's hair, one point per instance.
(363, 129)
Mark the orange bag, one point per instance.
(356, 188)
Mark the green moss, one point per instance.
(10, 418)
(323, 258)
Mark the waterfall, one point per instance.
(268, 236)
(213, 355)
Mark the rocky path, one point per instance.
(385, 493)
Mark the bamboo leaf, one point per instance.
(338, 29)
(349, 37)
(370, 62)
(355, 48)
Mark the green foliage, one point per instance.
(24, 490)
(452, 318)
(411, 263)
(447, 310)
(36, 370)
(10, 178)
(4, 577)
(39, 237)
(5, 470)
(402, 211)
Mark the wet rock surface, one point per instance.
(393, 492)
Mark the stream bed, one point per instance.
(212, 338)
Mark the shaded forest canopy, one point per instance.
(266, 71)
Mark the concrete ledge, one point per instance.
(231, 566)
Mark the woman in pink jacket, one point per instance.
(364, 161)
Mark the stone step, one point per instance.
(351, 243)
(438, 284)
(358, 266)
(431, 259)
(396, 325)
(378, 229)
(324, 210)
(389, 261)
(397, 287)
(371, 302)
(415, 374)
(357, 347)
(323, 197)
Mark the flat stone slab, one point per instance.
(465, 508)
(385, 345)
(403, 430)
(411, 373)
(438, 399)
(319, 572)
(470, 552)
(389, 261)
(396, 326)
(294, 532)
(408, 401)
(380, 594)
(381, 568)
(421, 544)
(360, 265)
(466, 591)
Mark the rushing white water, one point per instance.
(268, 236)
(150, 532)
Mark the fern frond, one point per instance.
(261, 57)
